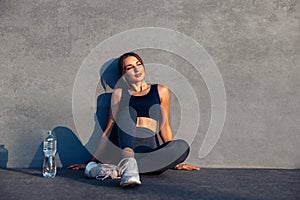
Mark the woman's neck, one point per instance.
(139, 86)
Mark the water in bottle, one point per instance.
(49, 166)
(3, 156)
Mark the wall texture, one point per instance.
(255, 44)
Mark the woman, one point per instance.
(141, 112)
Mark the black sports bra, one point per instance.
(147, 105)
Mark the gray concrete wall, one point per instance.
(255, 45)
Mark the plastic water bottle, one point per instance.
(49, 166)
(3, 156)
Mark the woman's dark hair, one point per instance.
(125, 55)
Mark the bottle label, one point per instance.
(49, 148)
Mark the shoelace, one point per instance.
(122, 166)
(107, 171)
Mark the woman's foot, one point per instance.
(130, 173)
(101, 171)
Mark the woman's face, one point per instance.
(133, 70)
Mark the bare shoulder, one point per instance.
(116, 94)
(163, 92)
(162, 88)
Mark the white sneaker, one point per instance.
(101, 171)
(130, 173)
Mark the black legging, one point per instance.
(165, 156)
(152, 158)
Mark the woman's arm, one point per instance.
(115, 100)
(104, 138)
(165, 128)
(165, 131)
(100, 147)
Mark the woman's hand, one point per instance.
(77, 166)
(188, 167)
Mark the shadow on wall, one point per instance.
(3, 156)
(69, 147)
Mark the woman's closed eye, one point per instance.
(129, 67)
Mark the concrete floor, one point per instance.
(203, 184)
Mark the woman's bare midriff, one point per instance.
(146, 122)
